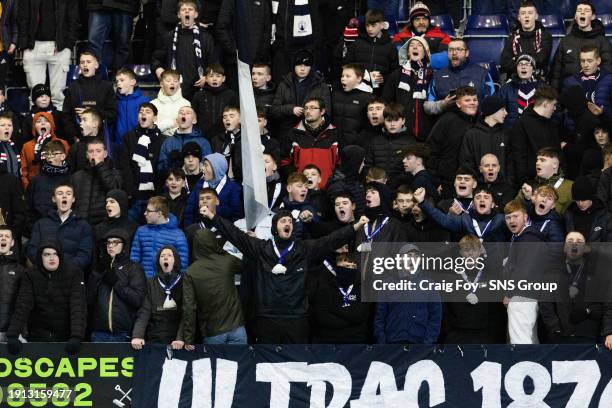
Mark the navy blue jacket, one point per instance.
(230, 202)
(450, 78)
(509, 94)
(603, 89)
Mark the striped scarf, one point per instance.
(302, 22)
(197, 47)
(524, 97)
(10, 158)
(589, 84)
(141, 157)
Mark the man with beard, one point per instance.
(281, 265)
(459, 73)
(489, 177)
(481, 220)
(420, 26)
(93, 183)
(312, 141)
(586, 30)
(51, 305)
(64, 225)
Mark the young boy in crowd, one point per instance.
(275, 186)
(386, 148)
(192, 164)
(270, 144)
(519, 92)
(374, 49)
(548, 173)
(263, 87)
(189, 49)
(176, 193)
(9, 155)
(376, 120)
(89, 91)
(53, 171)
(542, 214)
(228, 142)
(168, 102)
(349, 104)
(315, 196)
(415, 157)
(170, 154)
(41, 102)
(464, 184)
(44, 132)
(403, 203)
(129, 100)
(376, 174)
(302, 211)
(91, 126)
(210, 101)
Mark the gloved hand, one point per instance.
(72, 346)
(14, 345)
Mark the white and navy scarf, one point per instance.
(302, 22)
(142, 158)
(197, 47)
(10, 157)
(589, 84)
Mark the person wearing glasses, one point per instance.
(314, 140)
(460, 72)
(116, 291)
(51, 304)
(161, 230)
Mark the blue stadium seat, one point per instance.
(485, 35)
(554, 24)
(493, 70)
(402, 11)
(606, 20)
(445, 22)
(143, 73)
(602, 6)
(567, 8)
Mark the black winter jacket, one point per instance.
(208, 104)
(536, 43)
(11, 274)
(483, 139)
(529, 134)
(66, 23)
(350, 110)
(445, 142)
(567, 56)
(39, 192)
(259, 29)
(153, 322)
(282, 295)
(604, 188)
(8, 23)
(265, 97)
(115, 304)
(285, 99)
(129, 168)
(90, 187)
(129, 6)
(51, 305)
(386, 150)
(12, 205)
(375, 54)
(601, 221)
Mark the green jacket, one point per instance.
(564, 190)
(210, 297)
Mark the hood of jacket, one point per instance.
(219, 164)
(206, 244)
(54, 244)
(403, 51)
(177, 264)
(122, 199)
(48, 116)
(597, 30)
(351, 158)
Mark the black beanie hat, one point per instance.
(40, 90)
(118, 233)
(582, 189)
(192, 149)
(491, 104)
(303, 57)
(122, 198)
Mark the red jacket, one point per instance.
(436, 39)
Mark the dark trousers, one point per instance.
(282, 331)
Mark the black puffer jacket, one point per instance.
(265, 97)
(282, 295)
(537, 43)
(567, 56)
(483, 139)
(66, 23)
(11, 274)
(350, 109)
(116, 293)
(153, 322)
(285, 99)
(259, 29)
(445, 142)
(386, 151)
(90, 188)
(208, 104)
(375, 54)
(129, 6)
(601, 221)
(51, 305)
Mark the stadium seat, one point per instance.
(602, 6)
(556, 27)
(485, 36)
(606, 20)
(143, 73)
(567, 8)
(445, 22)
